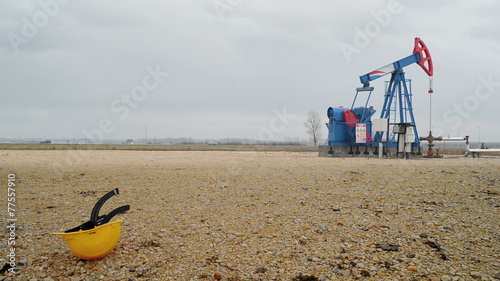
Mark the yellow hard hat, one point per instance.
(97, 237)
(93, 243)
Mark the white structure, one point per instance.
(476, 151)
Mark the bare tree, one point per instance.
(313, 126)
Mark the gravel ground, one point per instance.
(257, 216)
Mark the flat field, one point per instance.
(157, 147)
(256, 215)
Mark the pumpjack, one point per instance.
(351, 130)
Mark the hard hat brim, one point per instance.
(94, 243)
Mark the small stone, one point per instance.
(301, 277)
(475, 274)
(231, 237)
(22, 262)
(217, 276)
(388, 247)
(261, 270)
(364, 273)
(424, 235)
(144, 270)
(445, 278)
(411, 268)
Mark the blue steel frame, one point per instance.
(398, 87)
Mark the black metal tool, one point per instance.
(95, 219)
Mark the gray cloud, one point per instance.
(228, 73)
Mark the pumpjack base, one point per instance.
(366, 151)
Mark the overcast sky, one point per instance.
(237, 68)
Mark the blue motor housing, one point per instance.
(364, 114)
(342, 132)
(336, 126)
